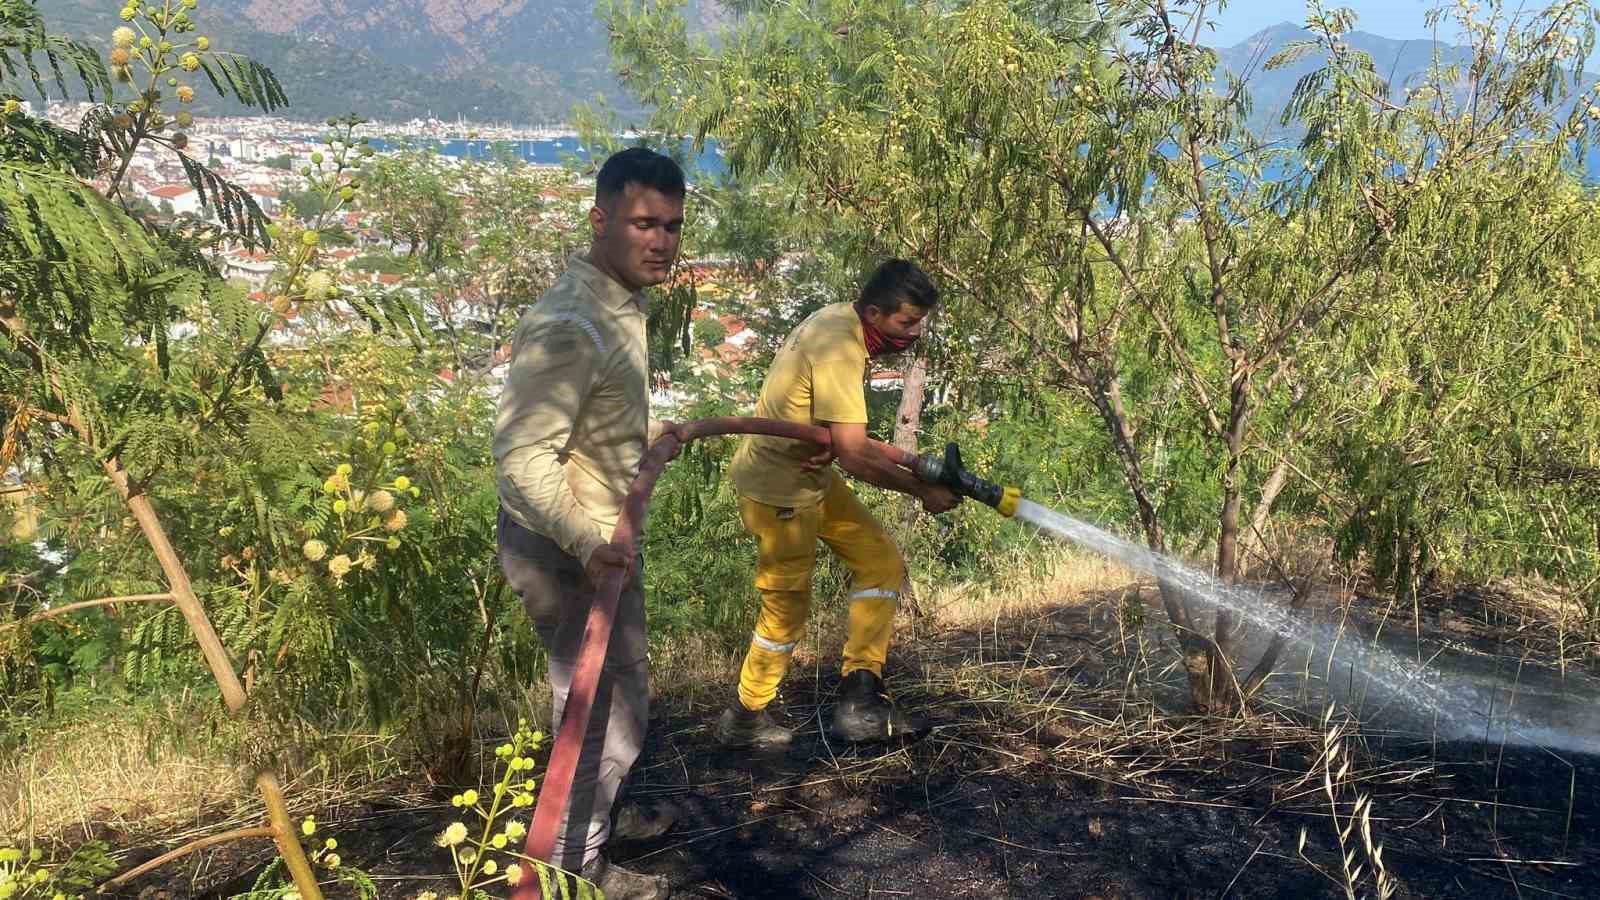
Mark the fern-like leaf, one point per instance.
(248, 81)
(1291, 53)
(23, 39)
(233, 205)
(63, 247)
(38, 141)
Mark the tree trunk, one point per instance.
(216, 656)
(183, 596)
(1210, 677)
(908, 420)
(907, 425)
(1210, 666)
(1254, 540)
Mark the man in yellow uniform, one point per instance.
(789, 503)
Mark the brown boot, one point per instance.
(643, 821)
(740, 727)
(618, 883)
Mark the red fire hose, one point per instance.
(557, 787)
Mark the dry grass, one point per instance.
(1549, 620)
(1352, 829)
(88, 779)
(164, 777)
(1069, 578)
(1043, 680)
(694, 669)
(1067, 674)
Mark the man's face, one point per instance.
(637, 236)
(904, 323)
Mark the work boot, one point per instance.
(618, 883)
(643, 821)
(740, 727)
(864, 712)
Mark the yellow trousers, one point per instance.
(787, 539)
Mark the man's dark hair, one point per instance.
(641, 166)
(899, 281)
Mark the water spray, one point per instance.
(1459, 710)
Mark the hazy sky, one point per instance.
(1389, 18)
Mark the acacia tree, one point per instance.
(1085, 184)
(123, 347)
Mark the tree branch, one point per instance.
(1190, 371)
(86, 604)
(237, 834)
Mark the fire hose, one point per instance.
(554, 793)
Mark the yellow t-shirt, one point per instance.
(816, 377)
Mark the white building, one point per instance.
(251, 268)
(181, 197)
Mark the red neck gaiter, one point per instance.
(880, 344)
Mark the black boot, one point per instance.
(740, 727)
(618, 883)
(865, 713)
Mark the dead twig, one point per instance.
(237, 834)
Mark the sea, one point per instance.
(710, 161)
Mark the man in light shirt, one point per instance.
(571, 428)
(789, 504)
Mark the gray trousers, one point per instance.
(557, 595)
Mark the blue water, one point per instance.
(552, 152)
(556, 151)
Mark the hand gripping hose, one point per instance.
(947, 470)
(557, 787)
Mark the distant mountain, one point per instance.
(553, 53)
(321, 77)
(522, 61)
(1400, 62)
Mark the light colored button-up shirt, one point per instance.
(573, 419)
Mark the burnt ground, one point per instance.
(1060, 765)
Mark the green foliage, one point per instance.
(1145, 319)
(23, 39)
(63, 244)
(379, 262)
(411, 195)
(307, 204)
(699, 558)
(34, 874)
(248, 81)
(133, 358)
(1108, 230)
(708, 332)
